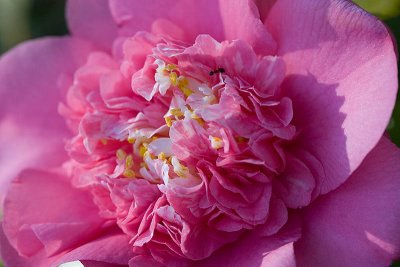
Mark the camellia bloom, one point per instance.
(202, 133)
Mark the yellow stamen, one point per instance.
(142, 150)
(168, 121)
(129, 162)
(162, 156)
(121, 154)
(186, 91)
(176, 112)
(174, 78)
(128, 173)
(131, 140)
(182, 82)
(183, 86)
(198, 119)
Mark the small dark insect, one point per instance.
(219, 70)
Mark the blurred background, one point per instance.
(26, 19)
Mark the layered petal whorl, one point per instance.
(181, 141)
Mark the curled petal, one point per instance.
(49, 230)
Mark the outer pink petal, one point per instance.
(342, 78)
(241, 21)
(193, 17)
(31, 131)
(359, 223)
(220, 19)
(256, 250)
(111, 249)
(264, 7)
(10, 257)
(50, 222)
(43, 212)
(91, 20)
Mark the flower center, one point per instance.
(187, 143)
(152, 153)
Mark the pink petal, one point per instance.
(256, 250)
(359, 223)
(264, 7)
(9, 256)
(43, 211)
(296, 183)
(194, 18)
(91, 20)
(144, 261)
(241, 21)
(31, 131)
(111, 249)
(342, 78)
(220, 19)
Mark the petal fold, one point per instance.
(109, 250)
(10, 258)
(67, 215)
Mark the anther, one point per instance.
(162, 156)
(129, 162)
(128, 173)
(168, 121)
(176, 112)
(174, 78)
(142, 150)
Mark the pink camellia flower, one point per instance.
(202, 133)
